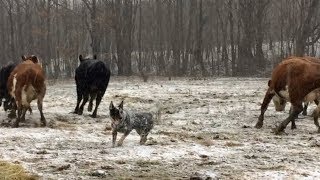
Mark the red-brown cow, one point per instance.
(26, 83)
(297, 75)
(280, 102)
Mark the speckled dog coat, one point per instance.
(125, 121)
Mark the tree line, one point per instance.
(160, 37)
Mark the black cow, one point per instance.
(4, 75)
(92, 78)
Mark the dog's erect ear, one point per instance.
(80, 58)
(121, 105)
(23, 58)
(111, 106)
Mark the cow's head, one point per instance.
(31, 58)
(279, 102)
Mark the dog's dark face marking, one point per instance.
(116, 113)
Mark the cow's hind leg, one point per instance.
(290, 111)
(12, 114)
(79, 98)
(85, 100)
(305, 108)
(23, 115)
(40, 106)
(98, 100)
(19, 108)
(92, 97)
(296, 109)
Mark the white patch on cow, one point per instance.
(24, 101)
(278, 104)
(27, 95)
(14, 86)
(285, 94)
(276, 98)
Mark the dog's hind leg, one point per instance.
(143, 138)
(120, 142)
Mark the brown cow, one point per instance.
(26, 83)
(297, 75)
(280, 103)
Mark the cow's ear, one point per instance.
(121, 105)
(23, 58)
(80, 58)
(34, 59)
(269, 83)
(95, 56)
(111, 106)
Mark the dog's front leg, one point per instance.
(114, 137)
(120, 142)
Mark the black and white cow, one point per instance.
(92, 79)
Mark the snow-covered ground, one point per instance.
(206, 130)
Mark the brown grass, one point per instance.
(9, 171)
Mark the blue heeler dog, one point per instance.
(124, 122)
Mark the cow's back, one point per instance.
(296, 73)
(26, 75)
(92, 72)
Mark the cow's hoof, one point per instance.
(293, 127)
(278, 131)
(80, 113)
(93, 115)
(76, 111)
(15, 125)
(259, 125)
(12, 116)
(43, 122)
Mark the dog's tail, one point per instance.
(156, 112)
